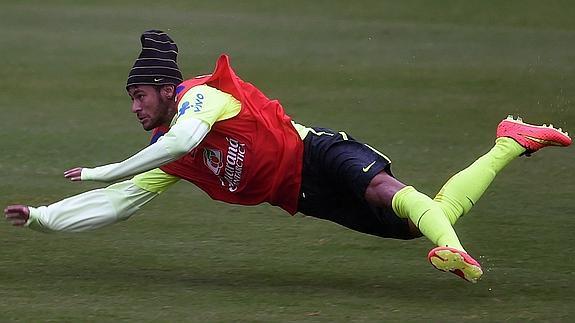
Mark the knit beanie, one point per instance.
(157, 63)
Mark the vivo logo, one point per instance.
(197, 104)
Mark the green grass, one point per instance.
(424, 81)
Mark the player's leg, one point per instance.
(463, 190)
(335, 162)
(385, 190)
(336, 171)
(460, 193)
(514, 138)
(426, 216)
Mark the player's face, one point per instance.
(150, 106)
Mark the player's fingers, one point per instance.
(17, 215)
(18, 223)
(11, 216)
(19, 209)
(72, 172)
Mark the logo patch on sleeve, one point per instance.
(196, 106)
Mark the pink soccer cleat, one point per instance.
(532, 137)
(455, 261)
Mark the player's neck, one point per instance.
(172, 108)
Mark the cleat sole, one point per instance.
(457, 262)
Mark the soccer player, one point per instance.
(229, 139)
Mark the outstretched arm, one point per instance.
(198, 110)
(184, 136)
(93, 209)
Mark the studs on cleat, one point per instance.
(512, 118)
(550, 126)
(532, 137)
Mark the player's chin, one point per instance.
(147, 125)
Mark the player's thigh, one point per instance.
(343, 161)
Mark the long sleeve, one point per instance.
(182, 138)
(198, 110)
(90, 210)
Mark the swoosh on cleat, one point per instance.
(543, 141)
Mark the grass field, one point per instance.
(424, 81)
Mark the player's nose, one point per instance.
(136, 107)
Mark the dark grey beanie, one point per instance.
(157, 63)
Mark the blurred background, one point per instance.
(425, 82)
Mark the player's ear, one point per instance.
(169, 91)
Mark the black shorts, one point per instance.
(336, 172)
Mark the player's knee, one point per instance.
(381, 189)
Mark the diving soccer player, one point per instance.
(225, 136)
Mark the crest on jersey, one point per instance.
(213, 160)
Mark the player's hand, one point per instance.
(17, 215)
(74, 174)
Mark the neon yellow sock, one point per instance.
(426, 215)
(465, 188)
